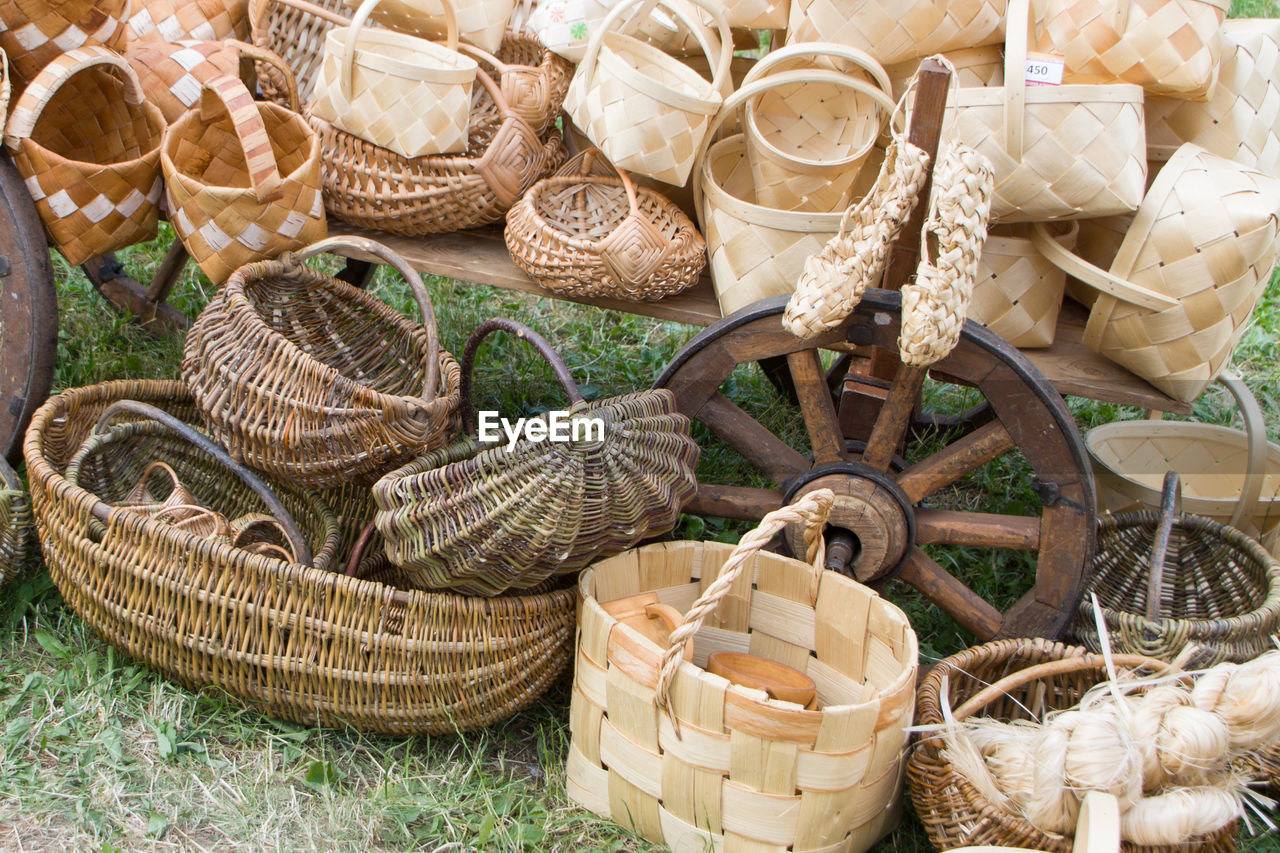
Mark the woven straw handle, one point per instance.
(365, 246)
(1096, 277)
(357, 25)
(227, 93)
(250, 479)
(585, 163)
(812, 511)
(247, 50)
(46, 84)
(260, 9)
(524, 333)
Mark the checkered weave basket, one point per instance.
(897, 30)
(174, 73)
(35, 32)
(1018, 293)
(179, 20)
(479, 22)
(87, 144)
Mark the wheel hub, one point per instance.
(870, 506)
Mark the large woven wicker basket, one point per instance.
(157, 21)
(293, 641)
(683, 757)
(15, 520)
(294, 30)
(894, 31)
(173, 73)
(35, 32)
(533, 80)
(314, 381)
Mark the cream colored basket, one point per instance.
(1018, 293)
(1169, 47)
(1230, 476)
(896, 30)
(480, 22)
(1188, 274)
(807, 142)
(687, 759)
(647, 111)
(1059, 151)
(758, 14)
(1241, 120)
(975, 66)
(397, 91)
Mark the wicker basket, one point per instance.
(87, 144)
(647, 111)
(34, 33)
(896, 31)
(301, 643)
(174, 73)
(375, 188)
(587, 231)
(294, 30)
(15, 521)
(158, 21)
(682, 757)
(316, 382)
(951, 809)
(481, 519)
(1018, 293)
(533, 80)
(567, 26)
(480, 22)
(975, 66)
(242, 179)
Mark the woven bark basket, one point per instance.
(294, 30)
(298, 642)
(683, 757)
(15, 521)
(896, 31)
(174, 73)
(954, 814)
(376, 188)
(1018, 293)
(87, 144)
(33, 34)
(316, 382)
(157, 21)
(479, 22)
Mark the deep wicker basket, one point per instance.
(293, 641)
(15, 520)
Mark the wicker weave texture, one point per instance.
(896, 31)
(88, 147)
(176, 20)
(15, 521)
(294, 30)
(35, 32)
(533, 80)
(1018, 292)
(480, 22)
(174, 73)
(975, 66)
(1169, 47)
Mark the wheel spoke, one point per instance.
(943, 589)
(817, 407)
(750, 438)
(741, 502)
(955, 460)
(980, 529)
(895, 416)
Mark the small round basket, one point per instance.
(15, 520)
(588, 231)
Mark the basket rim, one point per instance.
(529, 203)
(155, 122)
(199, 185)
(460, 72)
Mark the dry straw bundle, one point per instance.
(33, 33)
(159, 21)
(173, 74)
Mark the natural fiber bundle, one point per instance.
(896, 31)
(480, 22)
(87, 144)
(33, 33)
(533, 80)
(297, 642)
(242, 179)
(174, 73)
(1246, 696)
(1169, 47)
(1181, 813)
(1018, 293)
(587, 231)
(376, 188)
(483, 520)
(294, 30)
(15, 520)
(317, 382)
(159, 21)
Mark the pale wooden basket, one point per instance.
(694, 762)
(480, 22)
(975, 66)
(1018, 293)
(896, 30)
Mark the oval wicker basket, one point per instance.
(533, 80)
(295, 642)
(294, 30)
(954, 814)
(15, 520)
(315, 381)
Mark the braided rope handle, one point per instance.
(812, 511)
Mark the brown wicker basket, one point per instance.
(35, 32)
(295, 31)
(588, 231)
(532, 79)
(158, 21)
(172, 73)
(376, 188)
(300, 643)
(954, 814)
(15, 520)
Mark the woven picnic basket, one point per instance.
(315, 381)
(242, 179)
(1241, 119)
(153, 21)
(647, 111)
(294, 30)
(588, 231)
(376, 188)
(807, 141)
(295, 641)
(1059, 152)
(683, 757)
(533, 80)
(480, 519)
(87, 144)
(33, 33)
(15, 520)
(174, 73)
(1169, 47)
(1018, 293)
(479, 22)
(974, 66)
(896, 31)
(1182, 287)
(1042, 676)
(398, 91)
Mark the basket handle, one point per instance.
(250, 51)
(139, 490)
(812, 511)
(1169, 498)
(365, 246)
(524, 333)
(860, 59)
(357, 25)
(584, 163)
(259, 10)
(1018, 31)
(33, 100)
(227, 93)
(1096, 277)
(250, 479)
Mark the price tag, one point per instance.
(1044, 69)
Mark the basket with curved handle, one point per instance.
(37, 95)
(357, 26)
(529, 336)
(228, 94)
(250, 51)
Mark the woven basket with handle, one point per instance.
(15, 520)
(683, 757)
(588, 231)
(1195, 261)
(242, 179)
(174, 73)
(35, 32)
(1018, 293)
(1169, 47)
(974, 66)
(177, 20)
(317, 382)
(294, 640)
(87, 144)
(896, 31)
(376, 188)
(479, 22)
(294, 30)
(1059, 152)
(533, 80)
(1007, 680)
(483, 518)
